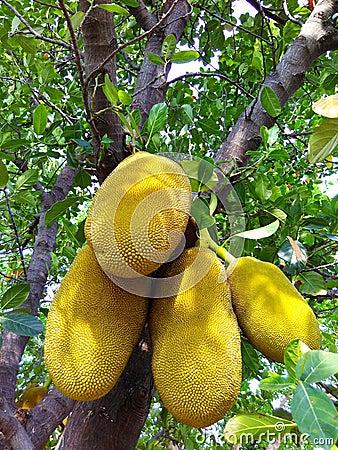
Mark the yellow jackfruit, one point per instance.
(196, 343)
(139, 215)
(269, 309)
(31, 396)
(91, 329)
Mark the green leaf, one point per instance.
(168, 46)
(312, 283)
(82, 179)
(197, 172)
(200, 212)
(186, 114)
(247, 428)
(275, 382)
(132, 3)
(293, 353)
(27, 179)
(155, 59)
(15, 296)
(317, 365)
(40, 118)
(58, 209)
(278, 213)
(184, 56)
(3, 175)
(113, 8)
(124, 97)
(324, 141)
(270, 101)
(250, 356)
(157, 118)
(260, 233)
(315, 414)
(22, 323)
(27, 44)
(76, 20)
(110, 90)
(261, 187)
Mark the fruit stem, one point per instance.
(220, 251)
(47, 382)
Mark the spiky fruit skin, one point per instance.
(31, 396)
(139, 215)
(92, 327)
(269, 309)
(196, 344)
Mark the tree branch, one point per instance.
(317, 36)
(12, 430)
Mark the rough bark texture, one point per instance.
(99, 40)
(317, 36)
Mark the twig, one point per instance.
(9, 209)
(212, 74)
(34, 33)
(289, 15)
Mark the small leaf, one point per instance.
(27, 179)
(58, 209)
(250, 356)
(15, 296)
(324, 141)
(260, 233)
(82, 179)
(200, 212)
(315, 414)
(110, 90)
(124, 97)
(317, 365)
(275, 382)
(155, 59)
(293, 353)
(113, 8)
(270, 101)
(40, 118)
(3, 175)
(197, 174)
(132, 3)
(168, 46)
(327, 106)
(184, 56)
(22, 323)
(186, 114)
(76, 20)
(253, 426)
(278, 213)
(157, 118)
(312, 283)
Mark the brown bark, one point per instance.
(317, 36)
(99, 40)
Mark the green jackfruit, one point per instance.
(196, 342)
(269, 309)
(139, 215)
(91, 329)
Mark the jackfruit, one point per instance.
(196, 342)
(92, 327)
(139, 215)
(31, 396)
(269, 309)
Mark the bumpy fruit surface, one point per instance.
(91, 329)
(31, 396)
(196, 343)
(139, 215)
(269, 309)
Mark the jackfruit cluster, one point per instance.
(194, 306)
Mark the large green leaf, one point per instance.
(270, 101)
(184, 56)
(260, 233)
(15, 296)
(324, 141)
(312, 283)
(157, 118)
(40, 118)
(315, 414)
(3, 175)
(248, 428)
(109, 90)
(200, 212)
(168, 46)
(155, 59)
(275, 382)
(317, 365)
(58, 210)
(22, 323)
(293, 353)
(27, 179)
(113, 8)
